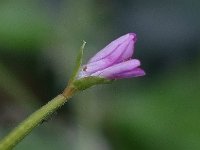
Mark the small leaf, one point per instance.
(78, 63)
(84, 83)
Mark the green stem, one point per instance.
(15, 136)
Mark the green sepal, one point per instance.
(78, 63)
(84, 83)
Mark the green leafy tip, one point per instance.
(78, 63)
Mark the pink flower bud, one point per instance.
(114, 61)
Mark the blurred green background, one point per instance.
(39, 40)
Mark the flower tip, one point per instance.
(141, 72)
(134, 62)
(84, 42)
(133, 36)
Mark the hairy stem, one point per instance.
(35, 119)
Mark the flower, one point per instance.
(114, 61)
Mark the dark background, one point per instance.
(39, 41)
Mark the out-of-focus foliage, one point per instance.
(39, 41)
(23, 25)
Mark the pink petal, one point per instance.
(133, 73)
(113, 47)
(127, 54)
(123, 67)
(115, 57)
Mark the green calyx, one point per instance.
(84, 83)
